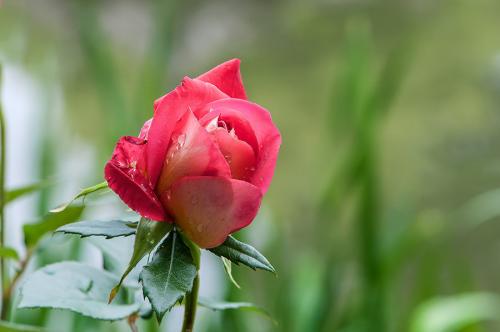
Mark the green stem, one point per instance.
(373, 302)
(9, 289)
(3, 274)
(192, 297)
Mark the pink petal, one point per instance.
(236, 120)
(266, 133)
(227, 78)
(208, 209)
(126, 176)
(191, 152)
(145, 129)
(191, 94)
(239, 154)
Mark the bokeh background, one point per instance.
(383, 213)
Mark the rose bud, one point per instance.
(203, 161)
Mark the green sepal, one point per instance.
(239, 252)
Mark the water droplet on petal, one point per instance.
(212, 125)
(181, 139)
(199, 228)
(232, 133)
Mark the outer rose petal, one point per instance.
(191, 94)
(227, 78)
(268, 136)
(192, 152)
(126, 176)
(208, 209)
(145, 129)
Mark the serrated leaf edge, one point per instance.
(262, 261)
(145, 292)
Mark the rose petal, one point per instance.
(145, 129)
(192, 95)
(266, 133)
(126, 176)
(238, 154)
(227, 78)
(208, 209)
(234, 119)
(191, 152)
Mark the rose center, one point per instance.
(238, 153)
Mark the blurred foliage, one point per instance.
(382, 214)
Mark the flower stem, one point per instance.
(9, 289)
(192, 296)
(3, 273)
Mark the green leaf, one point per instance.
(115, 252)
(74, 286)
(481, 208)
(49, 223)
(14, 327)
(109, 229)
(454, 313)
(222, 305)
(8, 252)
(149, 234)
(169, 275)
(227, 268)
(239, 252)
(82, 193)
(13, 194)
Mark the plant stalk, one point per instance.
(191, 302)
(373, 302)
(3, 273)
(9, 289)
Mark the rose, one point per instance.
(203, 161)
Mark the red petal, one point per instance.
(236, 120)
(239, 155)
(208, 209)
(126, 175)
(266, 133)
(145, 129)
(227, 78)
(191, 94)
(191, 152)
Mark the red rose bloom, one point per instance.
(203, 161)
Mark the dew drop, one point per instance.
(170, 155)
(199, 228)
(212, 125)
(181, 139)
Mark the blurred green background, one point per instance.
(384, 210)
